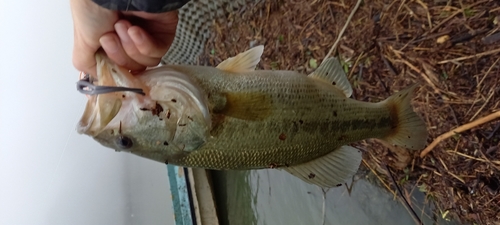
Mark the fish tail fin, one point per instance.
(408, 129)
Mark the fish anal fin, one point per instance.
(247, 106)
(330, 170)
(409, 130)
(331, 71)
(243, 62)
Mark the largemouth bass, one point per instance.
(235, 117)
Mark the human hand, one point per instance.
(131, 39)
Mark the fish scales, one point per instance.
(314, 120)
(236, 117)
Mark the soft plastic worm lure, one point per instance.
(85, 86)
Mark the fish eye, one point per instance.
(123, 142)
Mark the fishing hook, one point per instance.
(84, 86)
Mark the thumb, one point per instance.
(84, 57)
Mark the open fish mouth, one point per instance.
(104, 95)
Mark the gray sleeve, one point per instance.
(151, 6)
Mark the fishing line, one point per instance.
(58, 164)
(324, 204)
(414, 214)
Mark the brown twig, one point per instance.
(454, 14)
(470, 56)
(460, 129)
(492, 91)
(486, 74)
(473, 158)
(492, 164)
(379, 178)
(444, 21)
(424, 75)
(343, 29)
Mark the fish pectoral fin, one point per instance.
(243, 62)
(247, 106)
(332, 72)
(329, 170)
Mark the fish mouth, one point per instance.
(105, 92)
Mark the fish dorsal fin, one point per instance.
(330, 170)
(243, 62)
(332, 72)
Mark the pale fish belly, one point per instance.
(306, 119)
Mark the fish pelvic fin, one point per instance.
(330, 170)
(331, 71)
(409, 130)
(243, 62)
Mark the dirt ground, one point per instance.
(451, 48)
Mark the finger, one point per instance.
(112, 46)
(84, 56)
(129, 46)
(147, 45)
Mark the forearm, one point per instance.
(151, 6)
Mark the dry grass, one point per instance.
(450, 47)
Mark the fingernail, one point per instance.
(120, 26)
(109, 44)
(136, 36)
(121, 30)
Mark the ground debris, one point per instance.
(451, 48)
